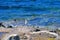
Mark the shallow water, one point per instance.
(12, 9)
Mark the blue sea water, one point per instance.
(45, 12)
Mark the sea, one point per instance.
(36, 12)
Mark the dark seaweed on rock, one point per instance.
(1, 25)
